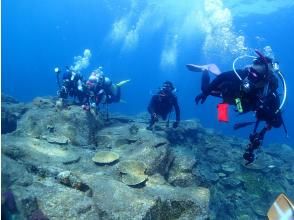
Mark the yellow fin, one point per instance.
(282, 208)
(123, 82)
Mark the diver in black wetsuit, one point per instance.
(258, 82)
(162, 104)
(252, 89)
(72, 85)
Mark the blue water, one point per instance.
(145, 41)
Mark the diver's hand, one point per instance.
(175, 124)
(154, 117)
(201, 97)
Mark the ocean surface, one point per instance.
(148, 42)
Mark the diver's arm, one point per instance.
(151, 108)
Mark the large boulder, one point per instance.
(11, 112)
(180, 173)
(44, 119)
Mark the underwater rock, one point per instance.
(205, 177)
(67, 178)
(71, 160)
(156, 179)
(13, 152)
(216, 154)
(8, 99)
(157, 160)
(104, 140)
(84, 206)
(181, 203)
(74, 123)
(180, 173)
(8, 122)
(36, 151)
(133, 129)
(43, 170)
(42, 102)
(11, 112)
(59, 202)
(290, 177)
(260, 207)
(124, 141)
(189, 131)
(29, 205)
(14, 173)
(37, 215)
(182, 179)
(244, 217)
(150, 202)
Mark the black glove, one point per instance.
(201, 97)
(154, 117)
(248, 156)
(175, 124)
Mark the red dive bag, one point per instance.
(222, 112)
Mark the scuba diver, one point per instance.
(72, 85)
(162, 104)
(253, 88)
(101, 90)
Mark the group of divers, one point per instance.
(251, 89)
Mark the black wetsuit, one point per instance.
(70, 84)
(162, 105)
(228, 86)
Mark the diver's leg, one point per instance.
(151, 123)
(205, 80)
(256, 139)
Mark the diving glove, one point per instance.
(175, 124)
(201, 97)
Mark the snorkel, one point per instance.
(275, 68)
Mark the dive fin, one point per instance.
(282, 208)
(242, 125)
(200, 68)
(123, 82)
